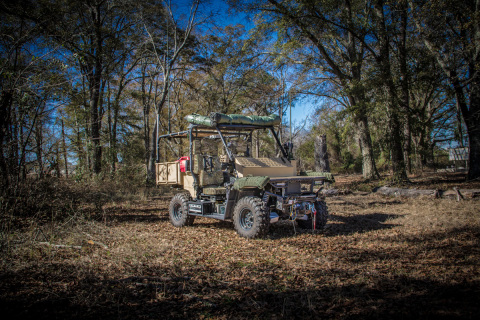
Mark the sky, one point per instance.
(303, 110)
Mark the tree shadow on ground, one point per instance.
(204, 222)
(132, 218)
(337, 225)
(278, 230)
(29, 295)
(365, 203)
(344, 225)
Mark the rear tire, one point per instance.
(178, 211)
(321, 217)
(250, 218)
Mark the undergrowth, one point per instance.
(58, 202)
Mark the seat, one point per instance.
(214, 191)
(207, 166)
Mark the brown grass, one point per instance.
(377, 258)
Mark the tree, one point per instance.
(93, 32)
(329, 38)
(233, 75)
(382, 59)
(321, 156)
(451, 32)
(31, 81)
(167, 41)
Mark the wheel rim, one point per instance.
(246, 219)
(177, 212)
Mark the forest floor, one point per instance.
(378, 257)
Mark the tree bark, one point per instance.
(65, 153)
(472, 122)
(404, 82)
(38, 149)
(146, 124)
(369, 168)
(5, 103)
(321, 156)
(95, 82)
(383, 62)
(153, 154)
(359, 102)
(95, 124)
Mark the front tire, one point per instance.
(178, 211)
(321, 217)
(250, 218)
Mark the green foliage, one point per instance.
(321, 48)
(305, 152)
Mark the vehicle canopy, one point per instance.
(219, 125)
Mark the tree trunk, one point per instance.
(95, 131)
(116, 108)
(112, 129)
(95, 124)
(472, 122)
(359, 101)
(398, 161)
(407, 143)
(146, 125)
(14, 146)
(152, 156)
(23, 143)
(95, 82)
(65, 153)
(57, 159)
(404, 82)
(38, 149)
(5, 103)
(474, 140)
(369, 169)
(109, 126)
(383, 62)
(321, 156)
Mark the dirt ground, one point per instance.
(427, 180)
(377, 258)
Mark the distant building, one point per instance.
(460, 158)
(458, 154)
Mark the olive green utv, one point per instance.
(221, 180)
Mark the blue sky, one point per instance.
(303, 109)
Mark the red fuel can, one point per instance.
(184, 164)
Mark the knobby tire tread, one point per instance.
(261, 218)
(185, 219)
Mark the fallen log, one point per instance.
(409, 193)
(457, 194)
(462, 194)
(59, 245)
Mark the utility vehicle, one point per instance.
(221, 180)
